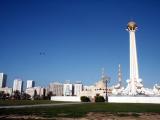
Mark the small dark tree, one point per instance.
(3, 95)
(85, 99)
(16, 95)
(50, 93)
(37, 97)
(99, 99)
(7, 96)
(25, 96)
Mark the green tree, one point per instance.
(85, 99)
(49, 94)
(99, 98)
(25, 96)
(16, 95)
(2, 95)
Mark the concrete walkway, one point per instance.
(40, 105)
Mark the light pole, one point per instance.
(106, 80)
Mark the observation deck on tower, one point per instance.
(131, 26)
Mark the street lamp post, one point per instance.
(106, 80)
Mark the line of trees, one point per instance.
(97, 98)
(16, 95)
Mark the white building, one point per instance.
(3, 79)
(40, 91)
(100, 88)
(56, 88)
(88, 88)
(30, 83)
(32, 91)
(67, 89)
(6, 90)
(18, 85)
(78, 88)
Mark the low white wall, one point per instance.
(128, 99)
(112, 99)
(66, 98)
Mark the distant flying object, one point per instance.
(42, 53)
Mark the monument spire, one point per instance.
(134, 80)
(102, 73)
(119, 74)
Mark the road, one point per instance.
(39, 105)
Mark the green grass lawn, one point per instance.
(80, 110)
(25, 102)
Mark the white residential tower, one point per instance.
(18, 85)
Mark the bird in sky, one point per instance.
(42, 53)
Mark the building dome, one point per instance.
(101, 85)
(131, 25)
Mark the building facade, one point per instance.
(18, 85)
(78, 89)
(3, 80)
(36, 91)
(68, 89)
(56, 88)
(30, 83)
(6, 90)
(39, 91)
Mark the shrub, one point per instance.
(85, 99)
(99, 99)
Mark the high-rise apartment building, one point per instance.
(30, 83)
(18, 85)
(38, 91)
(56, 88)
(68, 89)
(78, 88)
(3, 80)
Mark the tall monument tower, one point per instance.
(119, 75)
(134, 82)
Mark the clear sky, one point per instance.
(54, 40)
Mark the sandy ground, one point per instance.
(93, 116)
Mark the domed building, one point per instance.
(100, 88)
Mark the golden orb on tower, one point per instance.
(131, 25)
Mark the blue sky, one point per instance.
(79, 38)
